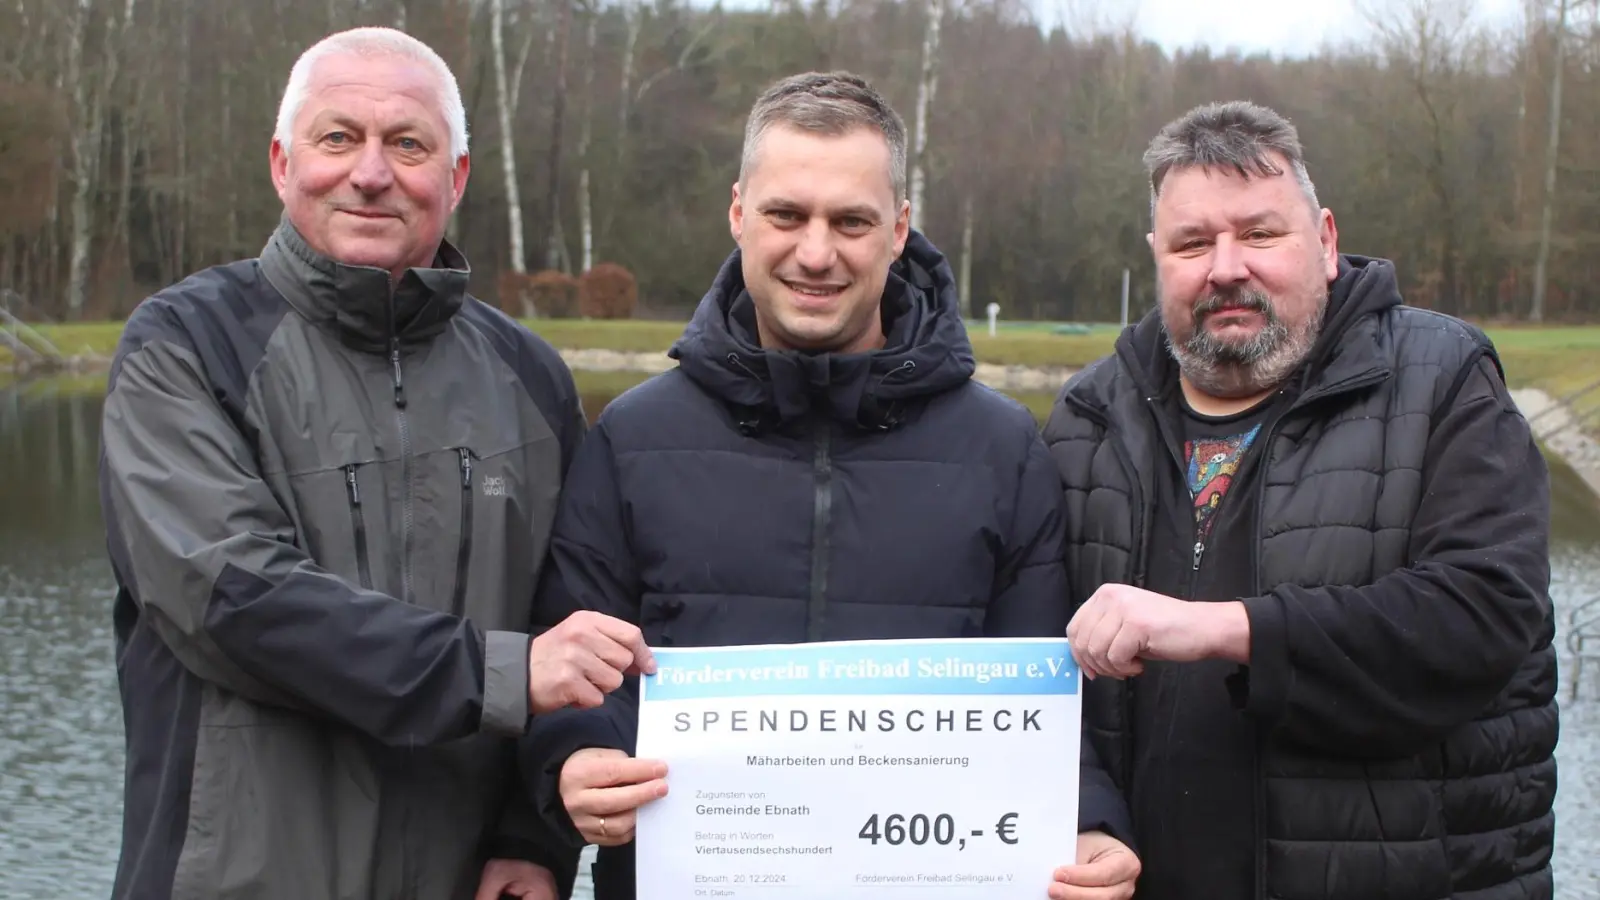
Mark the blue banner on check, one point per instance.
(1019, 666)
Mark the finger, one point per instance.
(609, 830)
(631, 638)
(583, 695)
(1098, 642)
(491, 886)
(1084, 619)
(622, 826)
(1082, 625)
(1059, 891)
(599, 674)
(618, 771)
(595, 644)
(557, 685)
(1122, 654)
(1106, 871)
(613, 801)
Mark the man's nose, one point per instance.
(373, 174)
(816, 252)
(1227, 263)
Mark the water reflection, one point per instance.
(60, 725)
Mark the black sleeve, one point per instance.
(1101, 807)
(1030, 598)
(590, 567)
(1387, 668)
(1033, 600)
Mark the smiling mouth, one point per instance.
(369, 214)
(820, 291)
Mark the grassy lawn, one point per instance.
(1559, 360)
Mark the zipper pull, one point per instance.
(350, 482)
(399, 386)
(1199, 551)
(466, 468)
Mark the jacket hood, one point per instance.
(356, 301)
(926, 350)
(1363, 287)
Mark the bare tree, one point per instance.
(927, 86)
(505, 107)
(1558, 40)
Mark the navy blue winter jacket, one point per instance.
(752, 496)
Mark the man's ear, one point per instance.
(1328, 234)
(278, 163)
(736, 215)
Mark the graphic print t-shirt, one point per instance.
(1213, 448)
(1193, 784)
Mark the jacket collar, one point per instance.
(1348, 352)
(926, 351)
(356, 301)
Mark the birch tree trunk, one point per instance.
(1552, 151)
(585, 201)
(85, 143)
(555, 245)
(508, 158)
(927, 85)
(965, 278)
(630, 16)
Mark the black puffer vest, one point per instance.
(1345, 816)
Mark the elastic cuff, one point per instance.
(1262, 688)
(562, 862)
(565, 732)
(505, 682)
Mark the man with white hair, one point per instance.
(328, 479)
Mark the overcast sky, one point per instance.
(1252, 25)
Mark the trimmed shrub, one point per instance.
(608, 291)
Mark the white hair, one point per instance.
(371, 42)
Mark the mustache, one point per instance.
(1242, 298)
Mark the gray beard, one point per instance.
(1228, 370)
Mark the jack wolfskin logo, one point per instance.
(494, 486)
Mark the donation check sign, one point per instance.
(942, 768)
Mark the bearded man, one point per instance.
(1308, 531)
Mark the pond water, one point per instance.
(60, 724)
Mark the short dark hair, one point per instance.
(1236, 135)
(830, 103)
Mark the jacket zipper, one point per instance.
(358, 525)
(464, 549)
(822, 506)
(1172, 445)
(406, 515)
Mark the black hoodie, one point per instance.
(753, 496)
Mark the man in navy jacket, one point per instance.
(819, 466)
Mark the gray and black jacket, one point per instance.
(327, 511)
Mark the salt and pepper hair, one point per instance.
(1239, 136)
(826, 103)
(373, 42)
